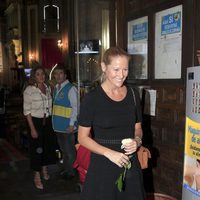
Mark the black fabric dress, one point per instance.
(111, 121)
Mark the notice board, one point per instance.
(168, 43)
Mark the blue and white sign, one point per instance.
(168, 43)
(140, 31)
(171, 23)
(137, 47)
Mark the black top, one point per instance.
(110, 119)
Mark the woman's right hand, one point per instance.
(34, 133)
(118, 158)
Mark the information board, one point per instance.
(168, 43)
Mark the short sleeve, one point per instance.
(87, 106)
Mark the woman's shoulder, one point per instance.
(29, 89)
(92, 95)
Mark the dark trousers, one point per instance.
(66, 142)
(43, 148)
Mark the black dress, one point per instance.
(111, 121)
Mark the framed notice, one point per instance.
(137, 48)
(168, 43)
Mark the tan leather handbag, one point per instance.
(143, 156)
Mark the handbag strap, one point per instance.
(135, 103)
(133, 93)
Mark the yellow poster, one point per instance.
(192, 140)
(191, 179)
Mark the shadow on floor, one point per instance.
(16, 182)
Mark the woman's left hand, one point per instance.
(130, 147)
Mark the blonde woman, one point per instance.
(110, 112)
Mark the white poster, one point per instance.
(168, 43)
(150, 102)
(137, 47)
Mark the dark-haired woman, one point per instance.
(37, 109)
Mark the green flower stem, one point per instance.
(124, 174)
(121, 179)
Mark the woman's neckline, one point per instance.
(108, 97)
(42, 89)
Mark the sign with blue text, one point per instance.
(140, 31)
(138, 47)
(168, 43)
(171, 23)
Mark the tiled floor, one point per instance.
(16, 183)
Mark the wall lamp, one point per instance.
(60, 44)
(31, 56)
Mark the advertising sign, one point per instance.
(191, 174)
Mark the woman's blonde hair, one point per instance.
(109, 54)
(113, 52)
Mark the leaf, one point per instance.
(119, 182)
